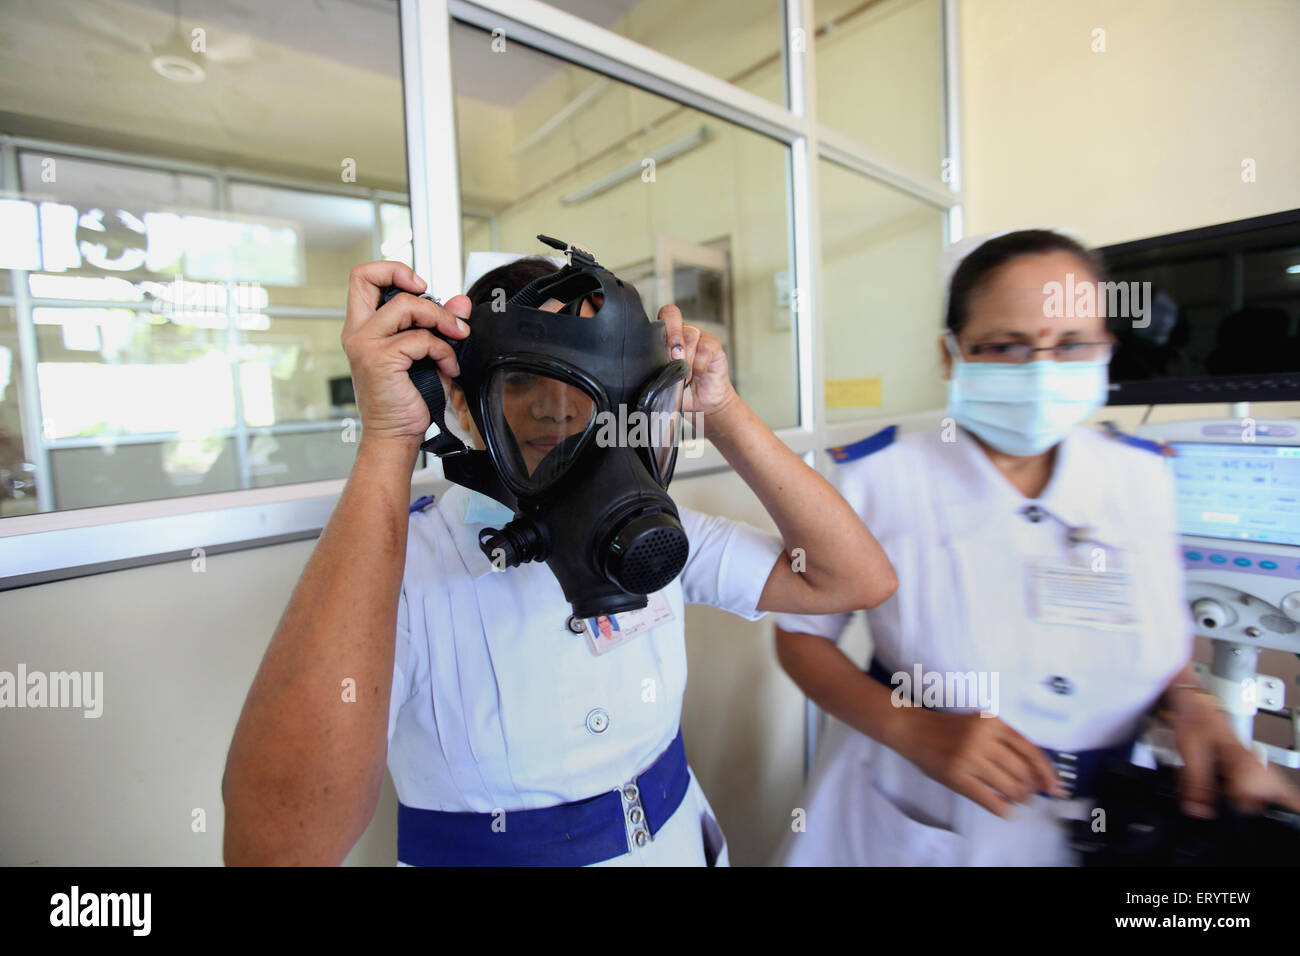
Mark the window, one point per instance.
(177, 228)
(882, 302)
(880, 78)
(17, 474)
(175, 272)
(739, 41)
(693, 209)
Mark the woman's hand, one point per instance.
(709, 389)
(981, 758)
(382, 344)
(1214, 759)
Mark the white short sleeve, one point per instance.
(402, 670)
(830, 626)
(729, 563)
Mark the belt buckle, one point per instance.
(638, 827)
(1067, 771)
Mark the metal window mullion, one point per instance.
(100, 154)
(801, 82)
(954, 225)
(46, 302)
(166, 165)
(433, 175)
(844, 151)
(805, 218)
(340, 189)
(559, 34)
(221, 202)
(142, 308)
(28, 358)
(300, 428)
(302, 312)
(158, 438)
(376, 229)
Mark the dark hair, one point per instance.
(510, 278)
(976, 268)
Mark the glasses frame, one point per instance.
(970, 353)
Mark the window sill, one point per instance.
(37, 549)
(56, 546)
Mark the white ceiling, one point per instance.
(326, 28)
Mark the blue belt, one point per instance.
(571, 834)
(1078, 770)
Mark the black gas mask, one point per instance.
(580, 416)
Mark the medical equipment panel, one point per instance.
(1237, 488)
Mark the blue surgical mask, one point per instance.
(476, 508)
(1023, 409)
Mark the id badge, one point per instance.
(608, 631)
(1061, 593)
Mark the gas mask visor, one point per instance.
(660, 408)
(540, 415)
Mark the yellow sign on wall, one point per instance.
(853, 393)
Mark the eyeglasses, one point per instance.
(1019, 353)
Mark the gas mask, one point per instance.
(580, 417)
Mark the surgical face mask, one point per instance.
(478, 508)
(580, 416)
(1023, 409)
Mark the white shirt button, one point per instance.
(1061, 685)
(597, 721)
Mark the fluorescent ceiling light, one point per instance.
(632, 170)
(579, 103)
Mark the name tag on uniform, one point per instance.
(1062, 593)
(608, 631)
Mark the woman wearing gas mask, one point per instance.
(517, 732)
(1039, 613)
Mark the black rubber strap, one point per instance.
(424, 375)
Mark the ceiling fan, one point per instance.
(173, 57)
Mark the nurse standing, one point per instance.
(1038, 580)
(513, 735)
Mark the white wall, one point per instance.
(178, 650)
(1143, 139)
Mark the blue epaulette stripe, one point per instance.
(869, 445)
(1145, 444)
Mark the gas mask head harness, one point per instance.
(580, 416)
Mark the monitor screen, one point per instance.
(1209, 315)
(1240, 492)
